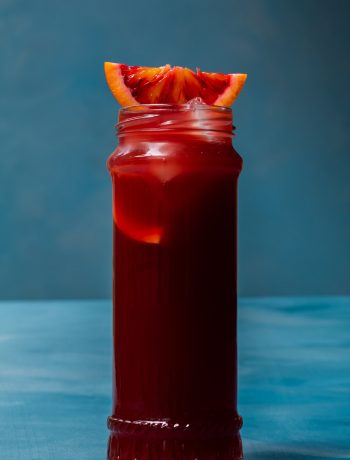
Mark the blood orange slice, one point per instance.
(134, 85)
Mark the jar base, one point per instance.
(148, 440)
(121, 448)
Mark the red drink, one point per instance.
(174, 206)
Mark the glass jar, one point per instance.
(174, 178)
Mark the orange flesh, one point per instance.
(172, 86)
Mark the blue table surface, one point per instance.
(294, 379)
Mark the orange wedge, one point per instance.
(134, 85)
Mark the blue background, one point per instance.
(56, 131)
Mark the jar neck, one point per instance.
(199, 122)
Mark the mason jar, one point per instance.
(174, 176)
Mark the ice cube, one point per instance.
(196, 101)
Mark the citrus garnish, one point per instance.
(134, 85)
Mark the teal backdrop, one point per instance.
(56, 131)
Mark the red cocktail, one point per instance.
(174, 179)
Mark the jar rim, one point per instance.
(173, 118)
(161, 108)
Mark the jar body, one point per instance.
(174, 297)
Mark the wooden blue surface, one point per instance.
(294, 379)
